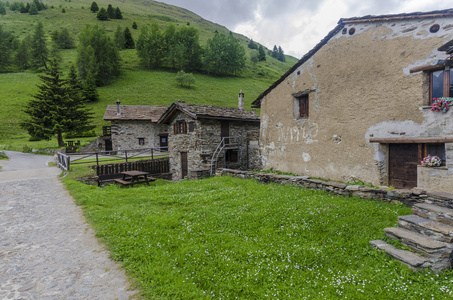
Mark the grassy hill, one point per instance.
(136, 85)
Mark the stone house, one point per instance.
(358, 105)
(135, 127)
(197, 133)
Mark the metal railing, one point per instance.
(228, 141)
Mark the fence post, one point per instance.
(152, 153)
(97, 159)
(125, 153)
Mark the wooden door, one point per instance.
(225, 130)
(108, 145)
(184, 165)
(163, 142)
(403, 160)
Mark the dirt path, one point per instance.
(47, 250)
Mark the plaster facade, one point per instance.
(360, 87)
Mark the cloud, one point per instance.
(295, 25)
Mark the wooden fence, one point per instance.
(160, 165)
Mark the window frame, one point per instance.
(180, 127)
(446, 79)
(302, 104)
(141, 141)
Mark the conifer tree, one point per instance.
(118, 14)
(55, 109)
(111, 11)
(261, 53)
(134, 25)
(102, 15)
(94, 7)
(89, 92)
(128, 40)
(38, 48)
(119, 38)
(22, 56)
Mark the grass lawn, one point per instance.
(228, 238)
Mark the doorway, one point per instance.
(403, 160)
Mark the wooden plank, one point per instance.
(413, 140)
(426, 68)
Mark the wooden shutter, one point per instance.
(303, 106)
(184, 127)
(175, 128)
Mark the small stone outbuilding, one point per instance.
(135, 126)
(203, 137)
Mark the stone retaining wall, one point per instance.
(408, 197)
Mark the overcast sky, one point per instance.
(296, 25)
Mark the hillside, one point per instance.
(136, 85)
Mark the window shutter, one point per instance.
(303, 106)
(184, 127)
(175, 128)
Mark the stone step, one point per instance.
(429, 228)
(434, 212)
(417, 242)
(410, 259)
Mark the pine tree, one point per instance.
(119, 38)
(134, 25)
(252, 45)
(94, 7)
(111, 11)
(102, 15)
(38, 48)
(22, 57)
(128, 40)
(261, 53)
(33, 10)
(89, 92)
(55, 109)
(275, 52)
(281, 55)
(118, 14)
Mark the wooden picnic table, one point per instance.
(134, 177)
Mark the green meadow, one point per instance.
(227, 238)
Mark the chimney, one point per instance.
(118, 108)
(241, 101)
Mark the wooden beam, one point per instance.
(426, 68)
(413, 140)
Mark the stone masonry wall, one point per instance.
(125, 134)
(202, 142)
(408, 197)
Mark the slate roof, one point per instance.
(135, 112)
(341, 24)
(208, 112)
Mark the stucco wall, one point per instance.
(125, 134)
(363, 89)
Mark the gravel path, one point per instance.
(47, 250)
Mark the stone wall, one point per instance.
(361, 88)
(437, 178)
(201, 143)
(408, 197)
(126, 134)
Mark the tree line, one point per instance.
(180, 49)
(31, 8)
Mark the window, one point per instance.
(435, 149)
(141, 141)
(441, 84)
(231, 155)
(180, 127)
(303, 106)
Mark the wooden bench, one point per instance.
(108, 178)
